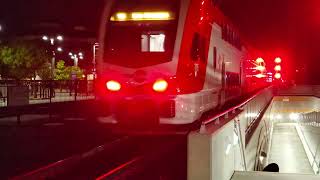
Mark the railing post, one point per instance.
(217, 121)
(203, 129)
(50, 91)
(18, 119)
(75, 90)
(94, 89)
(70, 83)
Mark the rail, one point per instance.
(146, 166)
(233, 109)
(57, 168)
(300, 90)
(17, 93)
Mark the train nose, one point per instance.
(139, 76)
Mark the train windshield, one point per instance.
(141, 33)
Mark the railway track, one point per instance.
(120, 159)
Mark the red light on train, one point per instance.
(277, 76)
(113, 86)
(160, 85)
(278, 60)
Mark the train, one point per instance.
(170, 60)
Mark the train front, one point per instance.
(138, 76)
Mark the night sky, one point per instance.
(288, 27)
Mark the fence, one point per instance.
(37, 92)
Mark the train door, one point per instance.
(222, 93)
(198, 55)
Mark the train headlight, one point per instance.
(160, 85)
(113, 86)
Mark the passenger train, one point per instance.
(172, 60)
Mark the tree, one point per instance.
(61, 72)
(45, 71)
(20, 60)
(75, 70)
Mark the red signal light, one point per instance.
(260, 68)
(277, 76)
(278, 60)
(260, 76)
(277, 68)
(113, 86)
(160, 85)
(259, 60)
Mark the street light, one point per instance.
(76, 57)
(60, 38)
(45, 38)
(53, 49)
(94, 61)
(59, 49)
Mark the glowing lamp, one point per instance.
(150, 16)
(113, 86)
(121, 16)
(142, 16)
(260, 76)
(277, 68)
(259, 60)
(260, 68)
(160, 85)
(277, 76)
(278, 60)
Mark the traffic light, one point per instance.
(278, 60)
(277, 68)
(277, 76)
(259, 60)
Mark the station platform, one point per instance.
(271, 176)
(238, 143)
(287, 150)
(282, 129)
(295, 139)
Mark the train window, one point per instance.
(153, 42)
(198, 48)
(224, 32)
(215, 57)
(145, 38)
(195, 47)
(233, 79)
(215, 2)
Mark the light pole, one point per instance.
(94, 61)
(76, 57)
(52, 41)
(1, 30)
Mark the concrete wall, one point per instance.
(224, 146)
(310, 137)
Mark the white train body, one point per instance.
(187, 47)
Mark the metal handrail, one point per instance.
(234, 108)
(315, 157)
